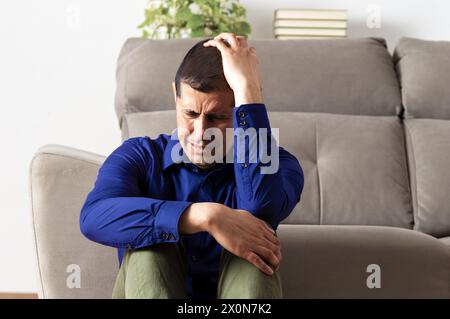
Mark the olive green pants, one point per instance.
(159, 271)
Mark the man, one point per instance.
(198, 228)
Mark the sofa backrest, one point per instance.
(338, 106)
(351, 76)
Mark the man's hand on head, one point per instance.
(240, 66)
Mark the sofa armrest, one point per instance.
(323, 261)
(68, 265)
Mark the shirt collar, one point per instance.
(168, 160)
(167, 156)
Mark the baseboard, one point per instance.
(15, 295)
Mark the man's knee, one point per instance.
(241, 279)
(157, 257)
(156, 271)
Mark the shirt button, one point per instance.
(245, 165)
(165, 235)
(242, 123)
(241, 114)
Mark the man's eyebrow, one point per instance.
(220, 112)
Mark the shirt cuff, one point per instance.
(251, 115)
(167, 219)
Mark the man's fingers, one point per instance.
(235, 41)
(271, 232)
(259, 263)
(220, 45)
(274, 248)
(271, 238)
(272, 242)
(252, 51)
(268, 227)
(230, 38)
(242, 40)
(268, 255)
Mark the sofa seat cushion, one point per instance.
(445, 240)
(339, 261)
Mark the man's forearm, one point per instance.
(248, 94)
(200, 217)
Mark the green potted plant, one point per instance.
(170, 19)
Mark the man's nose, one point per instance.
(200, 126)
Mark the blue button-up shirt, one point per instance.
(141, 192)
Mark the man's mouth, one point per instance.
(198, 147)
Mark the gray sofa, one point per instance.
(371, 130)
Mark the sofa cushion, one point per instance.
(424, 71)
(355, 166)
(428, 147)
(336, 262)
(445, 240)
(148, 124)
(345, 76)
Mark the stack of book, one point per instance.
(309, 24)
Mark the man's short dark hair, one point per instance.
(202, 70)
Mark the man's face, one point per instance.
(197, 112)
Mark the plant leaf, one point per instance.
(195, 21)
(198, 33)
(244, 28)
(183, 14)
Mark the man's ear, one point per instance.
(174, 92)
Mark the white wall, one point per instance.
(57, 68)
(57, 86)
(427, 19)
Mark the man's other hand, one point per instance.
(246, 236)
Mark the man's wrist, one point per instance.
(197, 217)
(247, 95)
(210, 215)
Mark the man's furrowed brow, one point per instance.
(187, 108)
(214, 112)
(219, 113)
